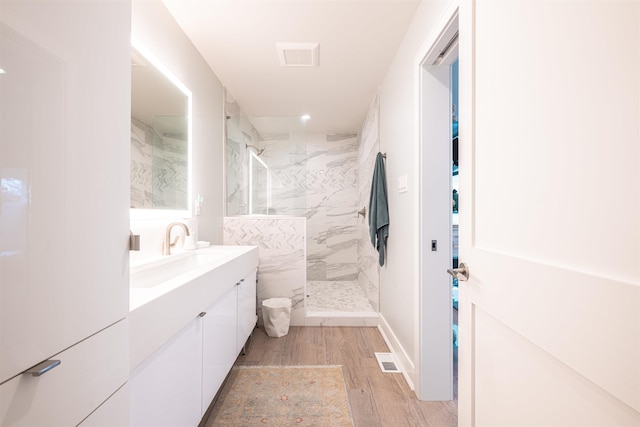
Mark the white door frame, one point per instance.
(435, 349)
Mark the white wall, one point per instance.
(399, 139)
(155, 28)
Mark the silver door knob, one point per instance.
(461, 273)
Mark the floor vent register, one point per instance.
(387, 362)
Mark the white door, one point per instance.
(550, 213)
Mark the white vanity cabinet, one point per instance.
(113, 412)
(227, 324)
(218, 344)
(247, 314)
(184, 343)
(165, 388)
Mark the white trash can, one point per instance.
(276, 314)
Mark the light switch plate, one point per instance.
(402, 184)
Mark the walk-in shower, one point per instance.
(275, 168)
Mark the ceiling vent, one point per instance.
(298, 54)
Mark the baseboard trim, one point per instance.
(353, 319)
(347, 314)
(400, 355)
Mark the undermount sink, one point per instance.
(166, 268)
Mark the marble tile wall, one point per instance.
(331, 206)
(315, 176)
(158, 169)
(170, 173)
(286, 156)
(282, 269)
(141, 164)
(368, 268)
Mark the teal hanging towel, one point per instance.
(379, 209)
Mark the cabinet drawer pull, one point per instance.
(42, 368)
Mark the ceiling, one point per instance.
(357, 42)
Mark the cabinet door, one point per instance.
(88, 373)
(247, 316)
(114, 412)
(218, 344)
(166, 387)
(63, 227)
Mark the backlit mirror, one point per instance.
(160, 139)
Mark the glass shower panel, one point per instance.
(239, 134)
(266, 165)
(259, 186)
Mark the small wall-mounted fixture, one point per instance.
(258, 150)
(134, 241)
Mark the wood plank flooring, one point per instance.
(376, 398)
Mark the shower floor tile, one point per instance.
(336, 296)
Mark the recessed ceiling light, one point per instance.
(305, 117)
(2, 71)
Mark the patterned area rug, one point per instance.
(283, 396)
